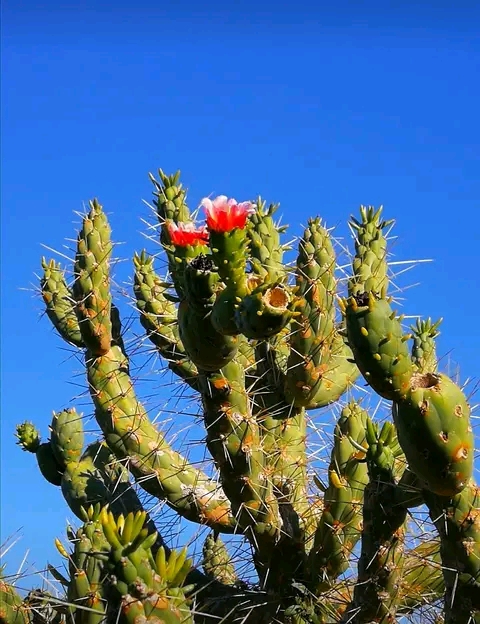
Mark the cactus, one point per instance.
(260, 348)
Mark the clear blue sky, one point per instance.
(320, 109)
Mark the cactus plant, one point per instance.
(263, 349)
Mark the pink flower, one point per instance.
(224, 215)
(184, 234)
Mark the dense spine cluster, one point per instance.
(260, 347)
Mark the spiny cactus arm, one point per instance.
(227, 222)
(59, 302)
(266, 248)
(374, 331)
(28, 438)
(233, 438)
(435, 432)
(376, 597)
(158, 316)
(91, 287)
(433, 421)
(457, 520)
(66, 436)
(370, 268)
(340, 525)
(170, 199)
(208, 348)
(173, 216)
(86, 476)
(457, 515)
(319, 365)
(283, 428)
(159, 470)
(61, 307)
(12, 607)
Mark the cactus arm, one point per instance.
(86, 476)
(457, 522)
(455, 517)
(159, 470)
(91, 287)
(28, 438)
(59, 303)
(170, 203)
(266, 249)
(319, 366)
(375, 597)
(227, 225)
(158, 316)
(233, 438)
(340, 526)
(374, 331)
(208, 348)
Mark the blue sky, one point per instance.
(320, 109)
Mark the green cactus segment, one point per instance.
(170, 201)
(59, 303)
(91, 288)
(341, 522)
(435, 432)
(234, 440)
(457, 522)
(264, 312)
(229, 252)
(376, 596)
(424, 354)
(266, 249)
(208, 349)
(67, 436)
(129, 433)
(158, 316)
(12, 607)
(171, 207)
(216, 561)
(319, 365)
(28, 438)
(370, 269)
(379, 345)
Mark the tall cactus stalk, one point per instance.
(263, 349)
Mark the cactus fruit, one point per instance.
(259, 347)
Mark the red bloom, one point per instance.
(224, 215)
(184, 234)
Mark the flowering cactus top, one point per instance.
(184, 234)
(224, 215)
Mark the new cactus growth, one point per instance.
(261, 349)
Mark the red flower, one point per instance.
(224, 215)
(184, 234)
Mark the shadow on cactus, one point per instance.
(264, 348)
